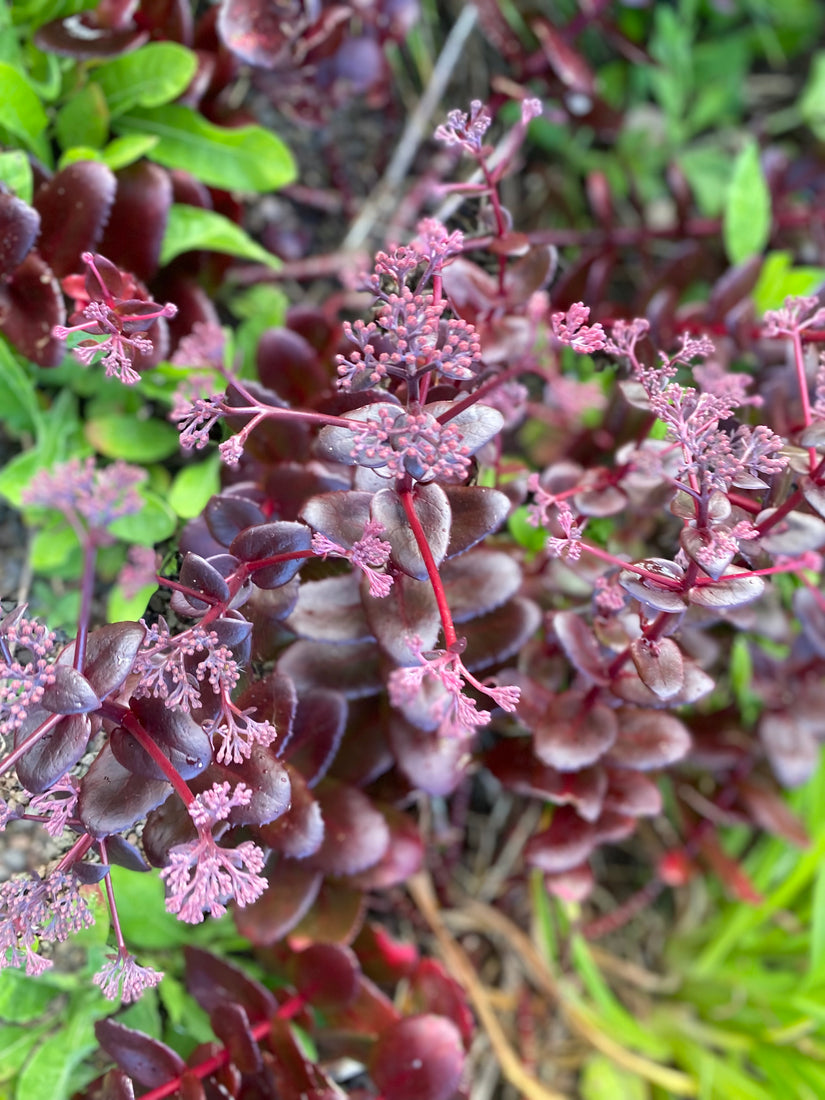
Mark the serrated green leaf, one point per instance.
(154, 523)
(149, 77)
(194, 485)
(246, 158)
(20, 109)
(84, 120)
(16, 1043)
(16, 174)
(46, 1075)
(746, 222)
(190, 227)
(22, 998)
(124, 151)
(133, 440)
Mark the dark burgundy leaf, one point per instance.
(353, 669)
(335, 916)
(478, 424)
(606, 501)
(571, 736)
(501, 634)
(771, 812)
(792, 750)
(268, 779)
(613, 828)
(70, 693)
(563, 845)
(569, 65)
(408, 612)
(80, 37)
(794, 534)
(123, 854)
(272, 699)
(479, 582)
(55, 752)
(403, 857)
(143, 198)
(814, 493)
(660, 598)
(632, 793)
(340, 516)
(235, 632)
(320, 720)
(733, 589)
(330, 610)
(226, 516)
(289, 365)
(660, 665)
(214, 982)
(419, 1058)
(579, 643)
(811, 615)
(117, 1086)
(166, 827)
(19, 226)
(74, 207)
(299, 832)
(176, 734)
(110, 654)
(335, 444)
(710, 554)
(733, 286)
(112, 799)
(326, 974)
(356, 835)
(433, 990)
(293, 889)
(530, 273)
(433, 510)
(384, 959)
(370, 1014)
(90, 874)
(148, 1061)
(433, 764)
(648, 739)
(258, 33)
(627, 685)
(293, 1075)
(573, 885)
(199, 575)
(31, 304)
(231, 1025)
(271, 540)
(476, 512)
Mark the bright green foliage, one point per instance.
(746, 225)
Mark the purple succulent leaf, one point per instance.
(572, 736)
(476, 511)
(433, 764)
(327, 974)
(90, 874)
(330, 610)
(479, 582)
(123, 854)
(292, 1075)
(794, 534)
(299, 832)
(580, 645)
(214, 982)
(356, 834)
(613, 828)
(78, 36)
(144, 196)
(729, 591)
(257, 33)
(709, 554)
(231, 1025)
(660, 598)
(176, 734)
(811, 615)
(268, 540)
(433, 510)
(353, 670)
(793, 751)
(566, 842)
(268, 780)
(408, 612)
(403, 857)
(112, 799)
(234, 632)
(74, 207)
(293, 890)
(110, 655)
(148, 1061)
(500, 634)
(628, 686)
(660, 666)
(648, 739)
(197, 574)
(70, 693)
(478, 424)
(19, 226)
(166, 827)
(632, 792)
(514, 764)
(320, 721)
(336, 444)
(418, 1058)
(31, 305)
(55, 753)
(814, 492)
(600, 502)
(274, 700)
(226, 516)
(340, 516)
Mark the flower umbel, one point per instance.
(122, 978)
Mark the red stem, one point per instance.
(450, 636)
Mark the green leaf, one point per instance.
(16, 1043)
(526, 535)
(76, 153)
(149, 77)
(52, 547)
(602, 1078)
(194, 485)
(46, 1075)
(746, 222)
(20, 108)
(812, 100)
(16, 174)
(22, 998)
(18, 396)
(778, 280)
(154, 523)
(190, 227)
(137, 895)
(121, 609)
(144, 1015)
(188, 1024)
(124, 151)
(126, 437)
(84, 120)
(246, 158)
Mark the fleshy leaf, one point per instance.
(330, 610)
(733, 589)
(476, 512)
(794, 534)
(648, 739)
(409, 611)
(631, 792)
(110, 654)
(433, 510)
(270, 540)
(31, 304)
(418, 1058)
(327, 974)
(433, 764)
(353, 669)
(299, 832)
(19, 226)
(660, 665)
(148, 1061)
(74, 207)
(112, 799)
(176, 734)
(144, 195)
(340, 516)
(580, 645)
(566, 842)
(55, 752)
(792, 750)
(356, 834)
(571, 735)
(501, 634)
(320, 720)
(479, 582)
(213, 982)
(70, 693)
(226, 516)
